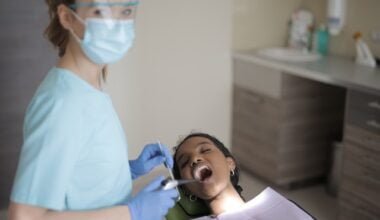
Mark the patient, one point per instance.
(203, 157)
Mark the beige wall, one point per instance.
(178, 76)
(363, 16)
(263, 23)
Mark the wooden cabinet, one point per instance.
(283, 125)
(359, 195)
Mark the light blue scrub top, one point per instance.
(74, 155)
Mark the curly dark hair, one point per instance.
(234, 178)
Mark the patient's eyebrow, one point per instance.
(197, 146)
(203, 142)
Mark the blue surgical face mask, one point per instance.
(106, 41)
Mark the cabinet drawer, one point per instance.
(370, 122)
(251, 103)
(353, 207)
(361, 163)
(364, 102)
(366, 191)
(258, 78)
(363, 110)
(362, 138)
(361, 173)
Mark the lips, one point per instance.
(202, 172)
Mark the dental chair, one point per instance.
(186, 209)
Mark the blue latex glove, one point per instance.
(149, 158)
(151, 203)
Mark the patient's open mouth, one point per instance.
(202, 173)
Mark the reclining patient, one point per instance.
(203, 157)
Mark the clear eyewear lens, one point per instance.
(107, 10)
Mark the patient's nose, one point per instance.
(195, 161)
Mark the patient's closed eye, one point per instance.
(206, 150)
(184, 162)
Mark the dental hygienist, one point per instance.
(74, 162)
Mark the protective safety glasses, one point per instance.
(107, 9)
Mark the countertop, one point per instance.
(332, 70)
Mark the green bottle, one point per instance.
(323, 38)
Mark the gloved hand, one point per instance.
(149, 158)
(151, 203)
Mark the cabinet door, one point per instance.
(25, 57)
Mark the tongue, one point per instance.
(205, 173)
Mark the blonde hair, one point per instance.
(56, 33)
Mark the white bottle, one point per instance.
(363, 54)
(300, 31)
(336, 15)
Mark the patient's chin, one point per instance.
(209, 195)
(208, 190)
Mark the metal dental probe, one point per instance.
(165, 162)
(170, 184)
(170, 170)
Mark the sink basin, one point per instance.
(289, 54)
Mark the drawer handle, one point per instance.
(373, 123)
(374, 104)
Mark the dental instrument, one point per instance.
(170, 172)
(165, 162)
(171, 184)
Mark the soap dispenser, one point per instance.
(363, 53)
(336, 15)
(321, 40)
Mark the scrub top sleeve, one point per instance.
(53, 140)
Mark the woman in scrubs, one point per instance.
(74, 162)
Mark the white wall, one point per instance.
(264, 23)
(178, 76)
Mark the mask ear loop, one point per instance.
(80, 20)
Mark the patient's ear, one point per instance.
(231, 163)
